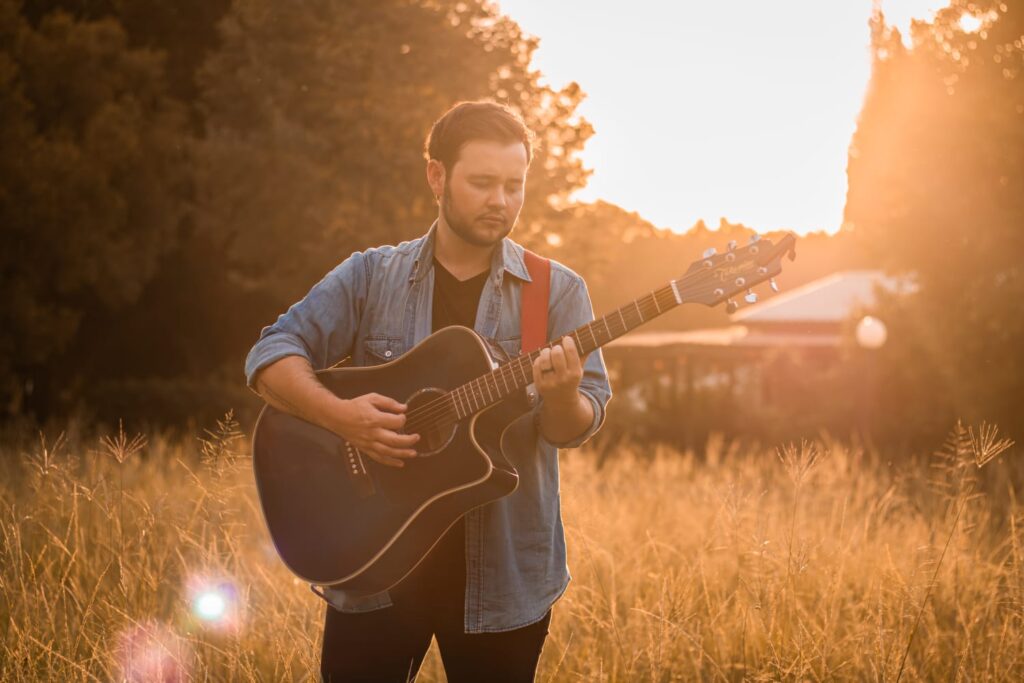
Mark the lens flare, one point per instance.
(210, 605)
(151, 651)
(214, 602)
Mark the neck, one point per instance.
(472, 397)
(459, 257)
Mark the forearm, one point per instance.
(290, 385)
(562, 421)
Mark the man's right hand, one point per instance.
(369, 422)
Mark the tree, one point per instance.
(936, 184)
(92, 174)
(316, 115)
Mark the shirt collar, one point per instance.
(507, 258)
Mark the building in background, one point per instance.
(776, 371)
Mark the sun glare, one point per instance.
(742, 110)
(970, 23)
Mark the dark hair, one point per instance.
(480, 120)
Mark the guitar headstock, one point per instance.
(718, 276)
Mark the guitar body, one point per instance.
(339, 518)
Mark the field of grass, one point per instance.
(814, 561)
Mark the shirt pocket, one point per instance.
(380, 349)
(510, 347)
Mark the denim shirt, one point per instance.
(375, 306)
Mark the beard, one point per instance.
(465, 227)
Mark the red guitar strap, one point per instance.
(534, 302)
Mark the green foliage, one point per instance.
(937, 187)
(316, 117)
(176, 173)
(93, 176)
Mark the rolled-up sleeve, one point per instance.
(570, 309)
(321, 327)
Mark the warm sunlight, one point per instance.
(704, 110)
(518, 340)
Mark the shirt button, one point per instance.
(387, 354)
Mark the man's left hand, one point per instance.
(557, 373)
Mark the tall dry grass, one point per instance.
(817, 561)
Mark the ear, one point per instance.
(436, 177)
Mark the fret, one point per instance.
(504, 380)
(656, 304)
(465, 399)
(610, 335)
(636, 303)
(454, 394)
(526, 368)
(575, 334)
(519, 367)
(484, 397)
(625, 327)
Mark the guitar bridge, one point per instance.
(356, 468)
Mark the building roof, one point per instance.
(736, 336)
(831, 299)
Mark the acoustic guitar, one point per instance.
(338, 518)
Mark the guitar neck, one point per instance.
(488, 389)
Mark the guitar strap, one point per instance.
(533, 322)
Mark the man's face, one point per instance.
(484, 191)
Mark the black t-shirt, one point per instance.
(455, 301)
(440, 580)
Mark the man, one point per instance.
(486, 589)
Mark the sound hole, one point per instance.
(436, 428)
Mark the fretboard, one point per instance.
(488, 389)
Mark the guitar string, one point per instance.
(508, 371)
(478, 394)
(479, 390)
(474, 390)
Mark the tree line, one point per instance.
(936, 189)
(176, 174)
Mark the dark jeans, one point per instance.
(389, 644)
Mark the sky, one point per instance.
(708, 109)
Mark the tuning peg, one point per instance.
(731, 306)
(732, 245)
(755, 237)
(773, 284)
(750, 297)
(709, 252)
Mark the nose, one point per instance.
(498, 198)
